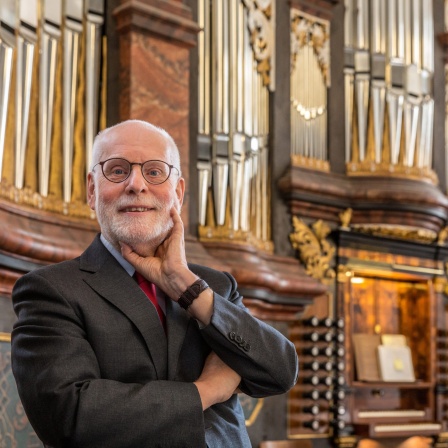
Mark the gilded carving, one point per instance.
(228, 235)
(29, 197)
(346, 217)
(260, 23)
(442, 236)
(401, 232)
(308, 30)
(315, 251)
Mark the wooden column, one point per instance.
(154, 39)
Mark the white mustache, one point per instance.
(154, 204)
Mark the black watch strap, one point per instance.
(192, 293)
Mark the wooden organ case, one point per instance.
(368, 221)
(386, 288)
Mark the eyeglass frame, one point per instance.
(130, 171)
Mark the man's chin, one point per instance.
(141, 240)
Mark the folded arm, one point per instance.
(64, 392)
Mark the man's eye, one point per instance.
(118, 171)
(153, 173)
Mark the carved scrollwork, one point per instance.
(260, 26)
(315, 251)
(308, 30)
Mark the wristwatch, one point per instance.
(192, 293)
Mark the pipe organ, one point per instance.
(51, 59)
(389, 105)
(310, 79)
(235, 77)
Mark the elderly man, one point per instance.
(105, 360)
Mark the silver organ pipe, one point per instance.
(394, 58)
(40, 43)
(8, 23)
(50, 38)
(26, 54)
(235, 145)
(309, 82)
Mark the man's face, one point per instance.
(134, 211)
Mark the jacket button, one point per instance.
(238, 339)
(232, 335)
(246, 347)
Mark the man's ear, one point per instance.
(91, 191)
(180, 190)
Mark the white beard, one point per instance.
(141, 233)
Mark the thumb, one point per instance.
(129, 255)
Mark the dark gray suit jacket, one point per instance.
(94, 368)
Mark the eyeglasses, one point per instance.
(118, 170)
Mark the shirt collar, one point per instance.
(117, 255)
(130, 269)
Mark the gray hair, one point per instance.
(175, 155)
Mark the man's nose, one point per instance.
(136, 183)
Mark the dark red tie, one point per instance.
(150, 290)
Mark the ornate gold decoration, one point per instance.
(315, 32)
(315, 251)
(401, 232)
(442, 236)
(310, 162)
(28, 196)
(370, 168)
(260, 24)
(346, 217)
(228, 235)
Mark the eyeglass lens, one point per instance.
(118, 170)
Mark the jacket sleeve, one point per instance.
(61, 387)
(266, 360)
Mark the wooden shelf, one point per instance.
(391, 385)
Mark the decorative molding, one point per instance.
(396, 231)
(224, 234)
(29, 197)
(310, 163)
(370, 168)
(315, 251)
(169, 19)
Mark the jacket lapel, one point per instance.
(177, 324)
(111, 282)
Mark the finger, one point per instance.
(177, 220)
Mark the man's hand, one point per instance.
(217, 383)
(168, 267)
(168, 270)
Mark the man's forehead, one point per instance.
(129, 140)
